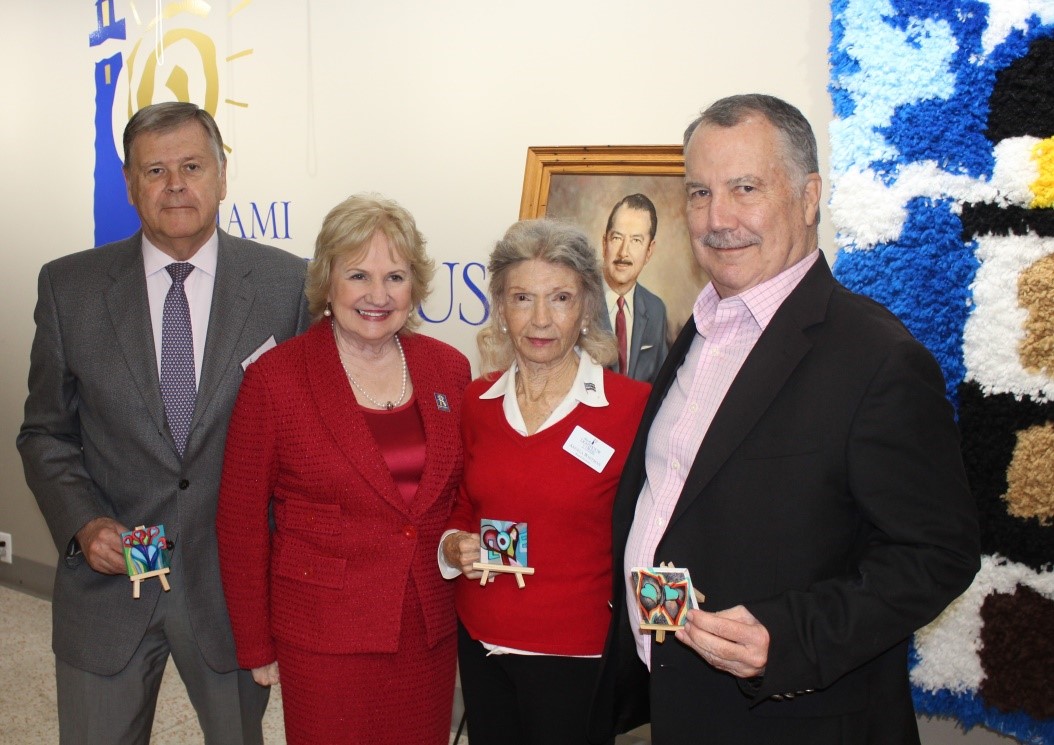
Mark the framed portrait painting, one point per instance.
(583, 184)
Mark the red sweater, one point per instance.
(567, 507)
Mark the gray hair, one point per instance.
(556, 243)
(164, 117)
(799, 142)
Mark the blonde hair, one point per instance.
(346, 234)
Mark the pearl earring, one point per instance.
(504, 329)
(585, 330)
(327, 312)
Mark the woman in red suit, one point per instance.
(347, 437)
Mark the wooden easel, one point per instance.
(159, 573)
(503, 569)
(660, 630)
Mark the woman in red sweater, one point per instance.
(545, 441)
(348, 437)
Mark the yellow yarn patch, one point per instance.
(1043, 187)
(1035, 293)
(1030, 478)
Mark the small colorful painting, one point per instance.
(503, 542)
(145, 550)
(664, 595)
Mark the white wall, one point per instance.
(432, 103)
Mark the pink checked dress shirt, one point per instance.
(726, 331)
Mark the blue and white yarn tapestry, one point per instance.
(942, 155)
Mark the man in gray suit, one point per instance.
(637, 316)
(106, 448)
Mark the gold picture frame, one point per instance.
(582, 184)
(544, 162)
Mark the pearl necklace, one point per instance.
(387, 405)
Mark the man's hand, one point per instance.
(730, 640)
(460, 550)
(100, 542)
(266, 675)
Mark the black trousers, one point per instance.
(515, 699)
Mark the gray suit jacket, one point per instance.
(95, 442)
(647, 345)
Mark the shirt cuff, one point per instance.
(445, 568)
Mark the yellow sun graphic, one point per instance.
(173, 55)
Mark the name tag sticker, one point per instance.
(269, 344)
(594, 452)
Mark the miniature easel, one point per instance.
(504, 569)
(159, 573)
(660, 630)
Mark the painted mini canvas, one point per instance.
(503, 542)
(664, 595)
(145, 550)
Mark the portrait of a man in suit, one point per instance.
(138, 354)
(637, 315)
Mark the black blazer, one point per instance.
(829, 498)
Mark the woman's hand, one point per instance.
(460, 550)
(266, 675)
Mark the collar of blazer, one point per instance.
(128, 305)
(343, 417)
(641, 325)
(768, 366)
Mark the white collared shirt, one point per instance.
(198, 286)
(587, 389)
(611, 298)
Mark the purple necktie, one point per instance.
(178, 384)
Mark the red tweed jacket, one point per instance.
(332, 576)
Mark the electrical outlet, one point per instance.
(5, 548)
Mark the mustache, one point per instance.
(729, 239)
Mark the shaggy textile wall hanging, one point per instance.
(943, 199)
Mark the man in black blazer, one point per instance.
(103, 453)
(628, 244)
(799, 457)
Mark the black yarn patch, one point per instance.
(1017, 652)
(989, 427)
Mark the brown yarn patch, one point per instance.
(1035, 292)
(1017, 652)
(1030, 476)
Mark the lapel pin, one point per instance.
(441, 402)
(591, 387)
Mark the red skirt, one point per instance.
(382, 698)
